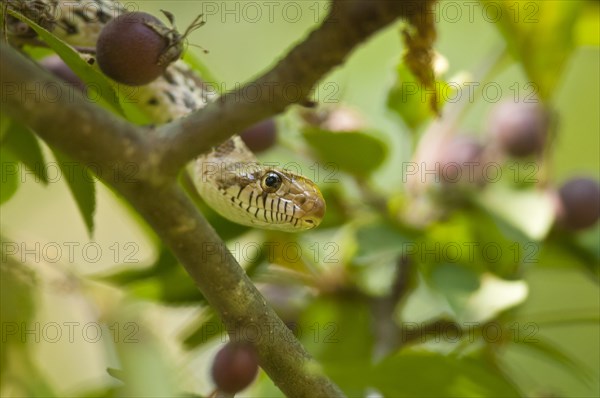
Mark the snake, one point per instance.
(229, 177)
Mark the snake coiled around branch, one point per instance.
(229, 178)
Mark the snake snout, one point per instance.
(314, 210)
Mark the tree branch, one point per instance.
(69, 122)
(229, 290)
(349, 23)
(92, 135)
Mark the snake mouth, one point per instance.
(314, 211)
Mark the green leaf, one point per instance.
(503, 249)
(165, 280)
(174, 287)
(450, 241)
(5, 123)
(111, 392)
(204, 72)
(511, 206)
(210, 328)
(10, 175)
(379, 246)
(422, 374)
(24, 145)
(541, 35)
(352, 151)
(338, 333)
(91, 77)
(337, 207)
(18, 287)
(555, 354)
(142, 361)
(561, 250)
(39, 53)
(81, 183)
(17, 300)
(586, 30)
(336, 330)
(456, 283)
(411, 100)
(380, 239)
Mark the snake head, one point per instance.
(259, 196)
(305, 203)
(292, 202)
(232, 181)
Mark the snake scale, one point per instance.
(229, 178)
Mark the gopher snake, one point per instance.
(229, 178)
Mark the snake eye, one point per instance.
(271, 182)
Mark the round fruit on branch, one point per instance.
(135, 48)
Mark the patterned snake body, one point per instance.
(229, 178)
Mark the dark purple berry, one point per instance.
(260, 136)
(520, 128)
(235, 366)
(579, 203)
(461, 161)
(133, 48)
